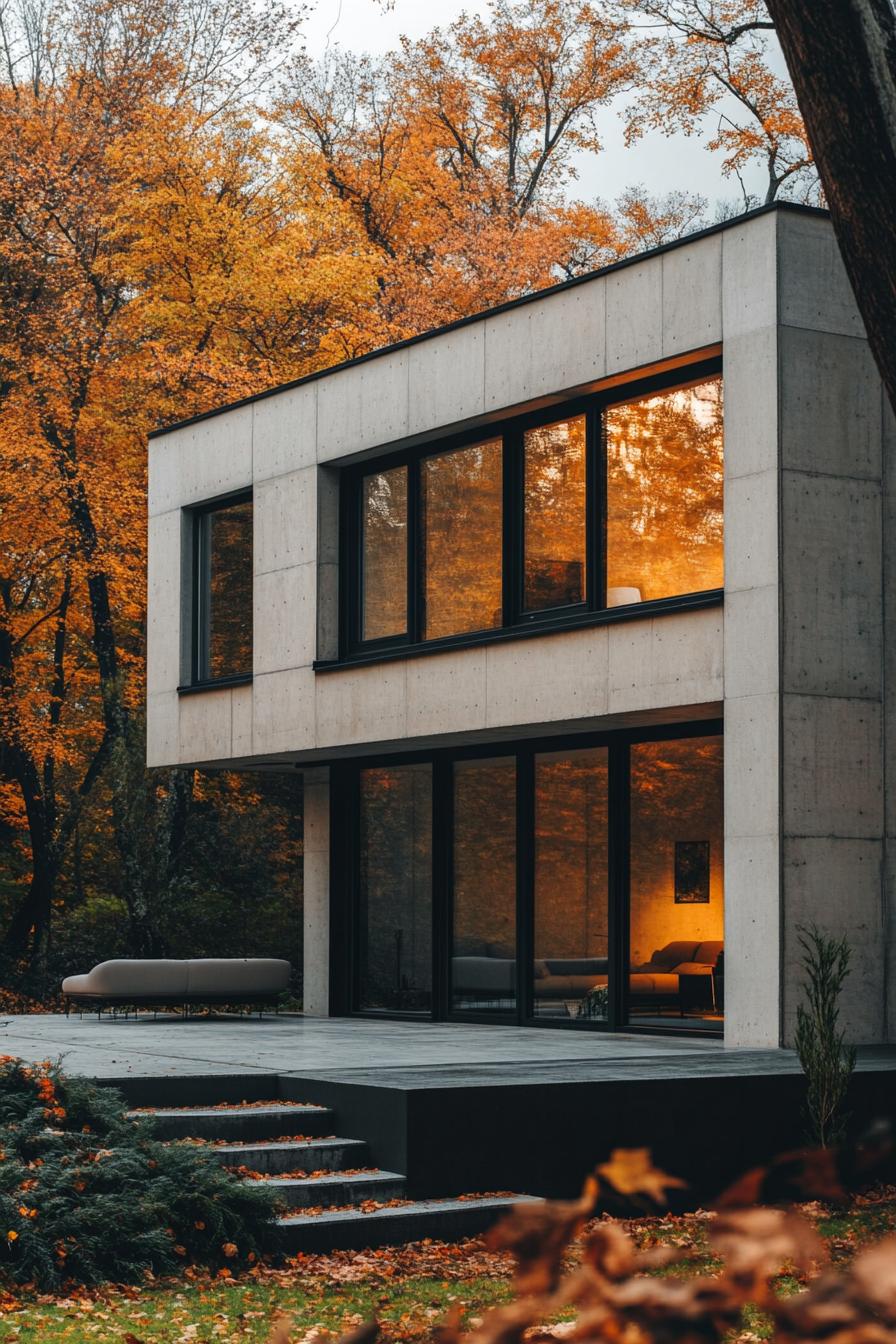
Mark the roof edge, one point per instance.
(793, 207)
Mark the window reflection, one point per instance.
(462, 494)
(226, 539)
(677, 883)
(554, 521)
(571, 968)
(395, 906)
(664, 494)
(483, 970)
(384, 523)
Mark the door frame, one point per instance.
(345, 873)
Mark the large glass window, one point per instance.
(554, 514)
(609, 501)
(384, 524)
(462, 506)
(223, 592)
(571, 966)
(677, 897)
(483, 967)
(664, 494)
(395, 889)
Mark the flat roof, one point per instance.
(792, 206)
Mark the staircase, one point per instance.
(333, 1197)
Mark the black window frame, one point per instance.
(345, 969)
(197, 518)
(517, 621)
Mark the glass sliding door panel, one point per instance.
(462, 510)
(483, 952)
(676, 881)
(395, 896)
(384, 560)
(571, 966)
(554, 515)
(664, 494)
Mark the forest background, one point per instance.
(193, 209)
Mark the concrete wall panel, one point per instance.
(204, 728)
(815, 289)
(751, 531)
(751, 403)
(241, 720)
(162, 729)
(546, 347)
(446, 694)
(446, 379)
(285, 520)
(316, 893)
(832, 586)
(163, 594)
(692, 296)
(548, 679)
(285, 620)
(284, 432)
(201, 461)
(836, 884)
(752, 791)
(833, 784)
(752, 916)
(830, 405)
(669, 660)
(362, 705)
(749, 277)
(635, 316)
(283, 711)
(751, 642)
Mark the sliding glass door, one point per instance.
(575, 883)
(570, 969)
(484, 887)
(394, 913)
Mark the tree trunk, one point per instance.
(842, 59)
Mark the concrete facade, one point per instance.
(795, 661)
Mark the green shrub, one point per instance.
(826, 1059)
(87, 1194)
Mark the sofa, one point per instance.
(166, 982)
(657, 981)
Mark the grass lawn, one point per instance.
(408, 1289)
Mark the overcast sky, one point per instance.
(661, 163)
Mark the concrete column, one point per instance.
(316, 863)
(752, 702)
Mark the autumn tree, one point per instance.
(710, 64)
(151, 265)
(456, 155)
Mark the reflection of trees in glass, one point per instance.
(554, 491)
(485, 857)
(384, 505)
(664, 491)
(676, 794)
(571, 864)
(230, 590)
(462, 496)
(395, 924)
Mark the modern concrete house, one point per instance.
(573, 615)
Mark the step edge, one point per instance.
(415, 1207)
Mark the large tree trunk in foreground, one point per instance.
(842, 59)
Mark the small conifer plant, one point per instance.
(826, 1059)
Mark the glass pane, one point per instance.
(677, 883)
(228, 534)
(664, 494)
(483, 970)
(384, 523)
(571, 885)
(462, 521)
(554, 538)
(395, 914)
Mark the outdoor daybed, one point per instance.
(168, 983)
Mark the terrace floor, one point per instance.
(424, 1053)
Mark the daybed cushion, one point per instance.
(116, 978)
(666, 957)
(641, 982)
(709, 952)
(237, 975)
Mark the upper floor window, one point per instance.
(612, 501)
(222, 591)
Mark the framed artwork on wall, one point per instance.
(691, 872)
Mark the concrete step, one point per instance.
(351, 1229)
(244, 1125)
(293, 1155)
(340, 1188)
